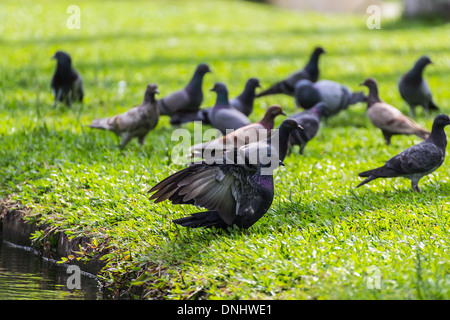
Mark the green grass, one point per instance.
(321, 239)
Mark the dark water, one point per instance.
(27, 276)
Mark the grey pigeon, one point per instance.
(310, 121)
(223, 116)
(66, 84)
(336, 96)
(416, 161)
(233, 193)
(387, 118)
(188, 99)
(415, 90)
(243, 103)
(136, 122)
(310, 72)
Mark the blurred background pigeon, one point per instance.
(222, 115)
(336, 96)
(244, 103)
(416, 161)
(415, 90)
(136, 122)
(185, 101)
(66, 84)
(310, 72)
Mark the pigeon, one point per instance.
(336, 96)
(310, 72)
(415, 90)
(243, 103)
(310, 121)
(416, 161)
(136, 122)
(387, 118)
(223, 116)
(66, 84)
(188, 99)
(250, 133)
(234, 193)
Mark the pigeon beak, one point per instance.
(281, 163)
(283, 113)
(361, 84)
(300, 127)
(157, 91)
(53, 57)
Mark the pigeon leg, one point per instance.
(141, 139)
(415, 186)
(387, 137)
(302, 147)
(125, 139)
(412, 111)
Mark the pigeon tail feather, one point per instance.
(100, 124)
(206, 219)
(358, 97)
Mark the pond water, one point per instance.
(27, 276)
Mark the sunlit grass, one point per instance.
(321, 239)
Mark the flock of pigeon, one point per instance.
(235, 190)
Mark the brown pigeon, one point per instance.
(243, 135)
(387, 118)
(136, 122)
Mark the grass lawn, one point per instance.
(321, 239)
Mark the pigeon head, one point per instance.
(253, 83)
(150, 92)
(203, 68)
(290, 125)
(369, 83)
(222, 94)
(420, 65)
(219, 87)
(274, 111)
(441, 120)
(318, 51)
(152, 88)
(321, 109)
(306, 95)
(62, 58)
(269, 117)
(373, 97)
(423, 61)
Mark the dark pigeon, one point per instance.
(66, 84)
(310, 121)
(416, 161)
(243, 103)
(309, 72)
(223, 116)
(336, 96)
(134, 123)
(234, 193)
(188, 99)
(415, 90)
(388, 118)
